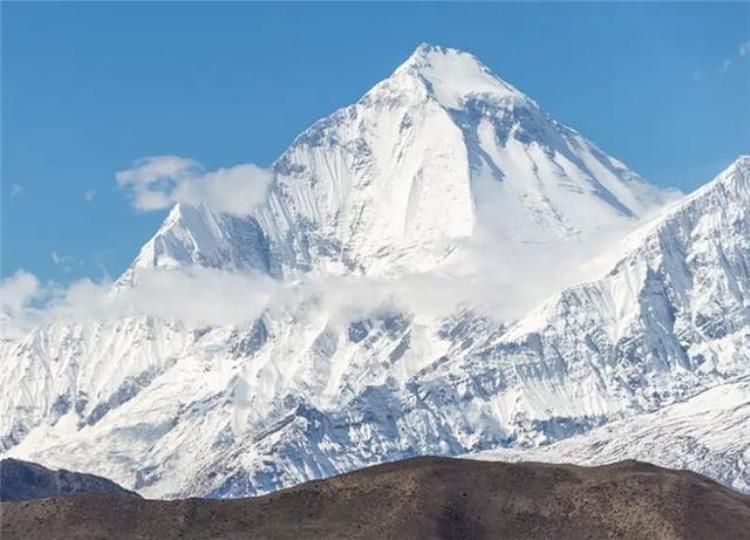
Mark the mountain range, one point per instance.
(501, 285)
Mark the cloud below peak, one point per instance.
(159, 182)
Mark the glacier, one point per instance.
(438, 163)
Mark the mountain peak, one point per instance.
(741, 164)
(427, 52)
(425, 49)
(735, 179)
(738, 172)
(452, 76)
(409, 174)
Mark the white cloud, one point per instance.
(744, 48)
(17, 292)
(89, 195)
(159, 182)
(195, 297)
(16, 189)
(725, 65)
(199, 296)
(518, 277)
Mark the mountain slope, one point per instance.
(420, 498)
(80, 371)
(196, 235)
(23, 481)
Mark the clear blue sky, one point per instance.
(90, 87)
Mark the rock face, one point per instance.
(23, 481)
(396, 187)
(420, 498)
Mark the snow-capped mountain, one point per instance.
(397, 181)
(438, 154)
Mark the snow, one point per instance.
(398, 185)
(453, 76)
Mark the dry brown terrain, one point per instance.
(418, 498)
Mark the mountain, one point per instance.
(666, 322)
(420, 498)
(23, 481)
(309, 390)
(399, 180)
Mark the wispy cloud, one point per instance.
(726, 64)
(158, 182)
(89, 195)
(15, 190)
(65, 262)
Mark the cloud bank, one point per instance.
(502, 281)
(492, 274)
(195, 297)
(159, 182)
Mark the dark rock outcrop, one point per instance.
(22, 480)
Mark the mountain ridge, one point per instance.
(420, 498)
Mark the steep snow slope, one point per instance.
(83, 370)
(672, 314)
(398, 181)
(303, 393)
(196, 235)
(708, 433)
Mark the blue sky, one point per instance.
(88, 88)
